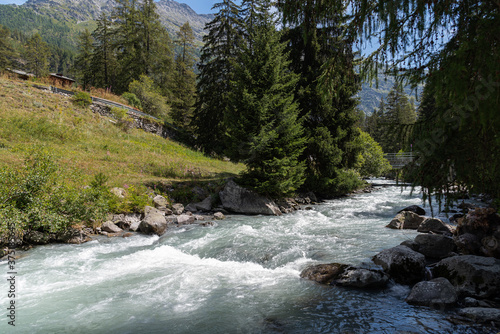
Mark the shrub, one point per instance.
(136, 198)
(123, 120)
(41, 197)
(132, 100)
(152, 101)
(82, 99)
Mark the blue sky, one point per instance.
(199, 6)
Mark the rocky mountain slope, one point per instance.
(172, 14)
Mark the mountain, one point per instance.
(172, 14)
(371, 94)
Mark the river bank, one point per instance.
(241, 274)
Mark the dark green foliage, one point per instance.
(82, 99)
(83, 62)
(263, 127)
(132, 100)
(457, 138)
(36, 53)
(6, 49)
(324, 60)
(370, 161)
(152, 101)
(38, 197)
(184, 82)
(216, 72)
(390, 125)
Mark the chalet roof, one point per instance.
(60, 76)
(19, 72)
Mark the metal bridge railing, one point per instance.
(399, 160)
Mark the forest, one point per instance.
(275, 86)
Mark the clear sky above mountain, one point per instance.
(199, 6)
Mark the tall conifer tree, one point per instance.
(263, 127)
(216, 72)
(37, 53)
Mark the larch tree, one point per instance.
(83, 62)
(36, 54)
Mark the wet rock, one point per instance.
(72, 236)
(415, 209)
(171, 219)
(36, 238)
(198, 217)
(481, 314)
(153, 223)
(177, 209)
(110, 227)
(435, 246)
(468, 243)
(237, 199)
(434, 225)
(403, 264)
(127, 235)
(205, 224)
(191, 207)
(478, 233)
(438, 293)
(411, 244)
(219, 216)
(406, 220)
(362, 278)
(471, 275)
(160, 202)
(324, 273)
(134, 226)
(185, 220)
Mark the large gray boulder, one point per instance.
(406, 220)
(324, 273)
(153, 223)
(185, 219)
(177, 209)
(471, 275)
(362, 278)
(240, 200)
(110, 227)
(403, 264)
(414, 208)
(435, 246)
(160, 202)
(344, 275)
(434, 225)
(437, 293)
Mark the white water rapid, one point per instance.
(239, 276)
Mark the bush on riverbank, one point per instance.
(41, 196)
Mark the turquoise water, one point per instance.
(239, 276)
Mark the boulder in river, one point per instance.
(406, 220)
(434, 225)
(110, 227)
(415, 209)
(478, 233)
(153, 223)
(471, 275)
(403, 264)
(237, 199)
(437, 293)
(177, 209)
(344, 275)
(185, 219)
(362, 278)
(324, 273)
(435, 246)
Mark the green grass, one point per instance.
(92, 144)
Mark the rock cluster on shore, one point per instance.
(447, 266)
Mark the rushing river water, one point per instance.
(239, 276)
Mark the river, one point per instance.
(239, 276)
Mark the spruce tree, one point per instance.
(184, 83)
(319, 49)
(104, 62)
(36, 54)
(215, 74)
(263, 127)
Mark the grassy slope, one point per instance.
(91, 143)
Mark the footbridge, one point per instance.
(399, 160)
